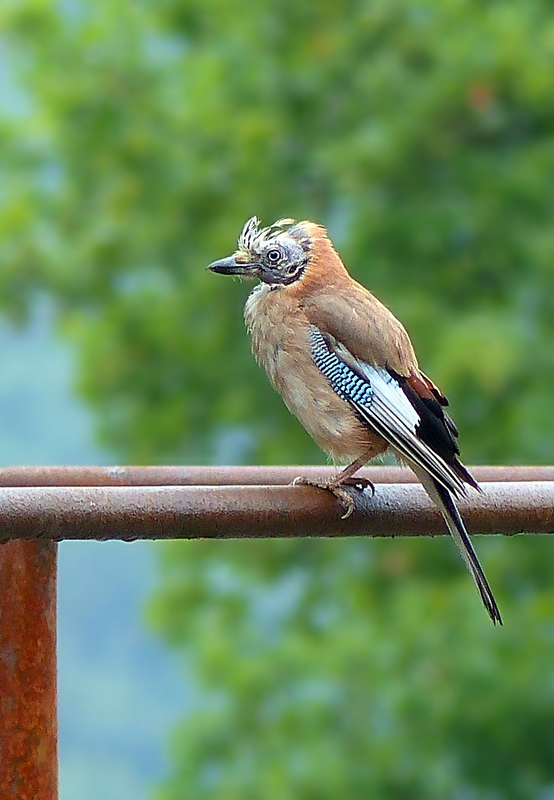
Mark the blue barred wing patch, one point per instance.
(344, 381)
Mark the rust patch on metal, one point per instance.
(28, 713)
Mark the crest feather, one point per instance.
(252, 236)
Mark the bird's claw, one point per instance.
(344, 497)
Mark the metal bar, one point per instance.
(42, 505)
(233, 476)
(169, 512)
(28, 723)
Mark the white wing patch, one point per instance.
(379, 401)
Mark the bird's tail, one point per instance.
(446, 505)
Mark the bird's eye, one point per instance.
(274, 256)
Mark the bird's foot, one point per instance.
(344, 497)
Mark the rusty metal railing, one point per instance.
(28, 708)
(40, 506)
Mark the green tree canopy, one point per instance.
(136, 139)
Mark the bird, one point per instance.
(346, 368)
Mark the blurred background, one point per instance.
(135, 140)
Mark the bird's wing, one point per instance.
(407, 411)
(390, 406)
(358, 318)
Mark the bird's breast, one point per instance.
(281, 345)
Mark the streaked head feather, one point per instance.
(252, 236)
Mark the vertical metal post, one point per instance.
(28, 695)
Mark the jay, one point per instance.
(346, 368)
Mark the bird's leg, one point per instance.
(336, 484)
(346, 476)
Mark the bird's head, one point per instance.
(278, 254)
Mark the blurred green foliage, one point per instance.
(136, 138)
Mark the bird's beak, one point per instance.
(230, 266)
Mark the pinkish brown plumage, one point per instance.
(346, 368)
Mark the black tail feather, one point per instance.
(447, 506)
